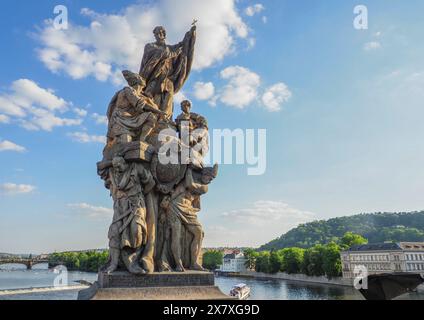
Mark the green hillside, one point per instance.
(377, 227)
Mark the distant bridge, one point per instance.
(29, 263)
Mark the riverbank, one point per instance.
(297, 278)
(12, 292)
(342, 282)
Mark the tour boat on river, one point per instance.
(240, 291)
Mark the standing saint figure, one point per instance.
(180, 210)
(167, 67)
(130, 184)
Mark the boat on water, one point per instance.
(240, 291)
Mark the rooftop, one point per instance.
(376, 247)
(388, 246)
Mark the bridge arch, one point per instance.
(28, 263)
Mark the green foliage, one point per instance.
(251, 255)
(275, 261)
(292, 260)
(350, 239)
(313, 261)
(376, 228)
(263, 263)
(212, 258)
(331, 263)
(89, 261)
(319, 260)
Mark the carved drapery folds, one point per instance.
(155, 225)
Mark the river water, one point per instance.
(36, 283)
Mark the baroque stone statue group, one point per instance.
(155, 225)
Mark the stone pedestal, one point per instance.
(191, 285)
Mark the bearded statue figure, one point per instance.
(167, 67)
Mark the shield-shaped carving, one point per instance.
(168, 175)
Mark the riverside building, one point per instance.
(384, 258)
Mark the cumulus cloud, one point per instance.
(372, 45)
(91, 211)
(275, 96)
(116, 41)
(204, 90)
(242, 87)
(257, 224)
(14, 189)
(99, 119)
(80, 112)
(34, 107)
(6, 145)
(84, 137)
(254, 9)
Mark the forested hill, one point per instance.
(377, 227)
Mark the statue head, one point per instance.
(119, 164)
(186, 106)
(208, 174)
(160, 33)
(134, 79)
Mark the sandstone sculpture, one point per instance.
(166, 68)
(155, 225)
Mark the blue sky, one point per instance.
(344, 120)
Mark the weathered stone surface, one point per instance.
(157, 279)
(152, 165)
(191, 285)
(161, 293)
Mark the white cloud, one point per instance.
(373, 45)
(180, 97)
(256, 225)
(275, 96)
(4, 118)
(99, 119)
(84, 137)
(80, 112)
(204, 90)
(252, 10)
(91, 211)
(14, 189)
(265, 19)
(35, 108)
(242, 87)
(6, 145)
(116, 41)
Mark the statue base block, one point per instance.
(190, 285)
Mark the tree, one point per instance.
(212, 258)
(263, 262)
(351, 239)
(292, 260)
(332, 264)
(313, 261)
(251, 255)
(376, 227)
(275, 261)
